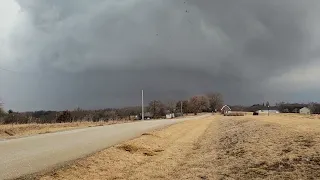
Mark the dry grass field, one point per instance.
(217, 147)
(19, 130)
(9, 131)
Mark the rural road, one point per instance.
(36, 153)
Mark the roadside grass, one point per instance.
(154, 155)
(20, 130)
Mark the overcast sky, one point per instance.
(100, 53)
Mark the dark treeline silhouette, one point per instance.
(295, 107)
(283, 107)
(196, 104)
(69, 116)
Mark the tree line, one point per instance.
(158, 109)
(283, 107)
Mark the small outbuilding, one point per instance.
(305, 110)
(170, 116)
(225, 109)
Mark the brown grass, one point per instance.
(18, 130)
(152, 156)
(218, 147)
(275, 147)
(235, 114)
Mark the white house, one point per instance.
(305, 110)
(170, 116)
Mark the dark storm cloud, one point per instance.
(102, 53)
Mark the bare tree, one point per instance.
(171, 106)
(313, 107)
(111, 115)
(185, 108)
(204, 103)
(2, 112)
(78, 114)
(215, 101)
(64, 117)
(198, 104)
(156, 108)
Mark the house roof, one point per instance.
(225, 106)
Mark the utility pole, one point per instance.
(142, 106)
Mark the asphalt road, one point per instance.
(36, 153)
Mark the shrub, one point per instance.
(64, 117)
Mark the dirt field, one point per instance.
(18, 130)
(218, 147)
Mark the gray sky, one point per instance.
(101, 53)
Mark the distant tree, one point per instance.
(238, 108)
(113, 115)
(122, 113)
(171, 106)
(156, 108)
(38, 114)
(10, 111)
(290, 107)
(78, 114)
(198, 104)
(64, 117)
(204, 103)
(127, 112)
(97, 116)
(267, 104)
(215, 101)
(285, 111)
(2, 112)
(255, 107)
(10, 119)
(185, 106)
(134, 110)
(296, 110)
(314, 108)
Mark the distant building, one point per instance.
(225, 109)
(170, 116)
(305, 110)
(268, 111)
